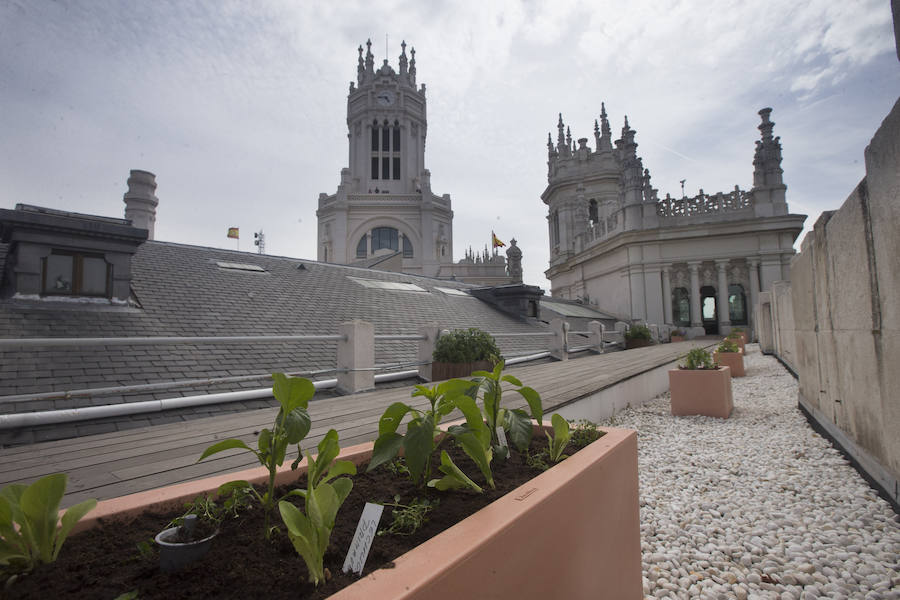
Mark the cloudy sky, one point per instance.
(239, 107)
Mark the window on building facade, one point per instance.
(592, 212)
(554, 229)
(407, 247)
(76, 274)
(681, 307)
(385, 237)
(385, 150)
(737, 304)
(361, 248)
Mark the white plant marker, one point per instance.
(362, 538)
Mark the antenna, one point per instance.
(385, 46)
(260, 241)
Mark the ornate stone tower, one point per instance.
(384, 213)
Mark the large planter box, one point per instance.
(629, 344)
(701, 392)
(733, 360)
(677, 338)
(517, 547)
(443, 370)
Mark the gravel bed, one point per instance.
(758, 505)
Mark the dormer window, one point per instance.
(65, 273)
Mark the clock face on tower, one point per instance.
(385, 98)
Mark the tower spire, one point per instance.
(412, 66)
(605, 141)
(561, 138)
(403, 61)
(360, 68)
(370, 59)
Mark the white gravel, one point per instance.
(758, 505)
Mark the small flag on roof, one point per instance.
(496, 241)
(233, 232)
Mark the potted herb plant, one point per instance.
(730, 355)
(463, 351)
(738, 338)
(678, 335)
(701, 386)
(638, 336)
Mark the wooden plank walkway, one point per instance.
(114, 464)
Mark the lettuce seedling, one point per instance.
(475, 439)
(291, 425)
(310, 532)
(560, 437)
(516, 422)
(423, 437)
(31, 531)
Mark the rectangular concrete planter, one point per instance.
(571, 532)
(701, 392)
(733, 360)
(629, 344)
(677, 338)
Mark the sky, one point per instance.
(239, 108)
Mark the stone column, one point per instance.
(722, 300)
(653, 294)
(696, 316)
(753, 275)
(667, 295)
(356, 357)
(559, 343)
(425, 349)
(596, 328)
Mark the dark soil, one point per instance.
(105, 561)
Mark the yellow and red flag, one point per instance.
(233, 232)
(496, 241)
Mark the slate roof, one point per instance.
(180, 290)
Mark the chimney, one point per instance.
(140, 201)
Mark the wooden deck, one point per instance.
(115, 464)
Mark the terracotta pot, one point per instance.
(733, 360)
(678, 338)
(516, 547)
(629, 344)
(701, 392)
(443, 370)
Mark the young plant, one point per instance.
(698, 358)
(727, 346)
(291, 425)
(475, 439)
(233, 500)
(585, 432)
(422, 436)
(310, 532)
(560, 437)
(516, 422)
(734, 335)
(31, 531)
(406, 519)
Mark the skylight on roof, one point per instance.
(387, 285)
(453, 292)
(240, 267)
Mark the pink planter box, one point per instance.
(519, 546)
(733, 360)
(677, 338)
(701, 392)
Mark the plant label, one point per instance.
(501, 437)
(362, 539)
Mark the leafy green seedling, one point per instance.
(422, 436)
(31, 531)
(698, 358)
(291, 425)
(310, 532)
(516, 422)
(406, 519)
(560, 437)
(727, 346)
(585, 432)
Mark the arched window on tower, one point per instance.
(375, 130)
(361, 247)
(385, 150)
(592, 212)
(681, 307)
(385, 237)
(407, 247)
(554, 228)
(395, 151)
(737, 304)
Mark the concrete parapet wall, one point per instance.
(845, 303)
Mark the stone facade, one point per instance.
(384, 205)
(837, 323)
(617, 246)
